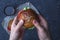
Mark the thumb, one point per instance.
(37, 25)
(42, 33)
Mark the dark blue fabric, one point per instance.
(49, 8)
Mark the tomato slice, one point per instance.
(9, 28)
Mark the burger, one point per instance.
(28, 15)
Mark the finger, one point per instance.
(37, 25)
(43, 21)
(20, 24)
(14, 21)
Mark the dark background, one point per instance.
(49, 8)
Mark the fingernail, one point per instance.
(21, 21)
(34, 21)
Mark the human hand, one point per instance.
(42, 28)
(16, 30)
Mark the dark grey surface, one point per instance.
(49, 8)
